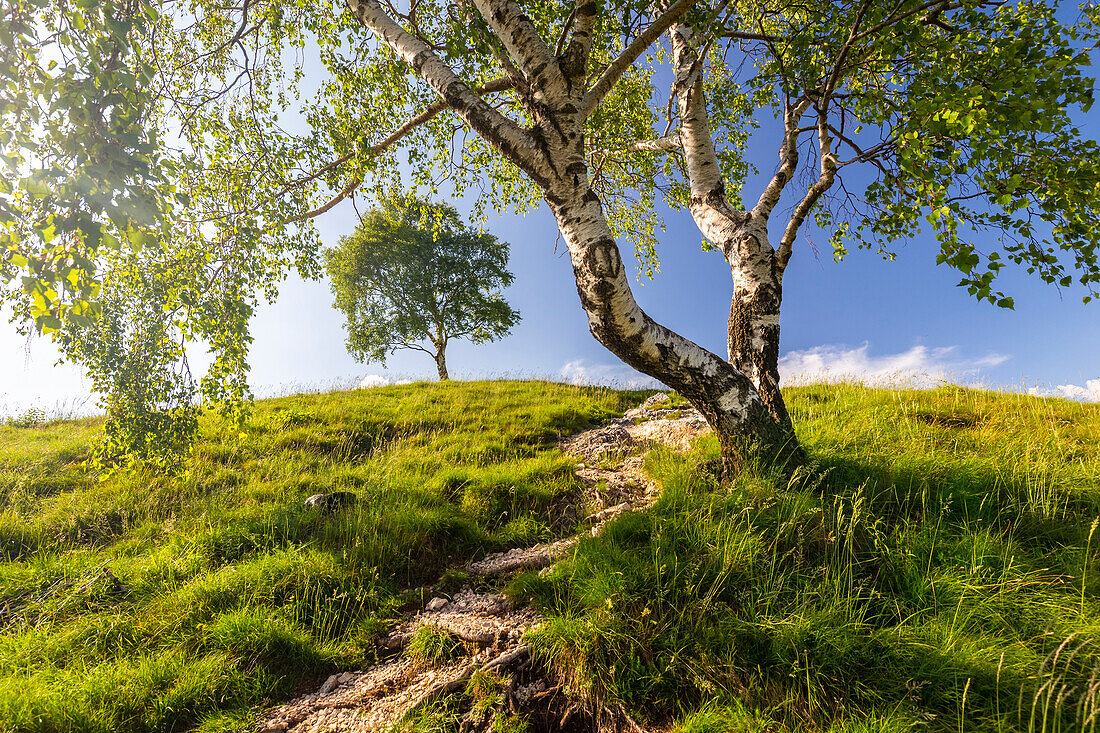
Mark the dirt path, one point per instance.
(610, 465)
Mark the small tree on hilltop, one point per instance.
(413, 273)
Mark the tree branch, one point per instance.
(710, 209)
(806, 205)
(843, 55)
(497, 85)
(630, 54)
(788, 158)
(657, 145)
(893, 20)
(413, 346)
(742, 36)
(574, 62)
(521, 40)
(869, 155)
(559, 47)
(240, 33)
(502, 133)
(348, 190)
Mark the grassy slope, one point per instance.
(934, 569)
(934, 572)
(233, 592)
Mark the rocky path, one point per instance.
(488, 624)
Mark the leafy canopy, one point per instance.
(186, 139)
(413, 272)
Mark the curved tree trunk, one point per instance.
(727, 398)
(555, 91)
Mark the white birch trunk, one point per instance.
(722, 393)
(753, 327)
(552, 153)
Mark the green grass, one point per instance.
(229, 592)
(935, 568)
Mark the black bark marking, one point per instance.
(753, 326)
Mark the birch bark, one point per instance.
(753, 328)
(552, 152)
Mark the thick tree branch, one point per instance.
(630, 54)
(788, 158)
(574, 62)
(521, 40)
(657, 145)
(502, 133)
(712, 212)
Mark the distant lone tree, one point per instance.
(413, 274)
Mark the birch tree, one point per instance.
(954, 118)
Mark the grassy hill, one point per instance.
(935, 568)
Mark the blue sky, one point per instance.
(864, 316)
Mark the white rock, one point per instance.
(654, 401)
(436, 604)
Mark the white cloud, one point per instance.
(918, 367)
(379, 380)
(373, 380)
(1089, 393)
(611, 375)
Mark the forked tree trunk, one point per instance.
(746, 430)
(555, 91)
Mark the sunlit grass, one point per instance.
(935, 568)
(149, 603)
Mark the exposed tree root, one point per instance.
(381, 698)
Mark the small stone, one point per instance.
(436, 604)
(654, 401)
(329, 503)
(329, 686)
(395, 640)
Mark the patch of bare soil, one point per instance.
(380, 698)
